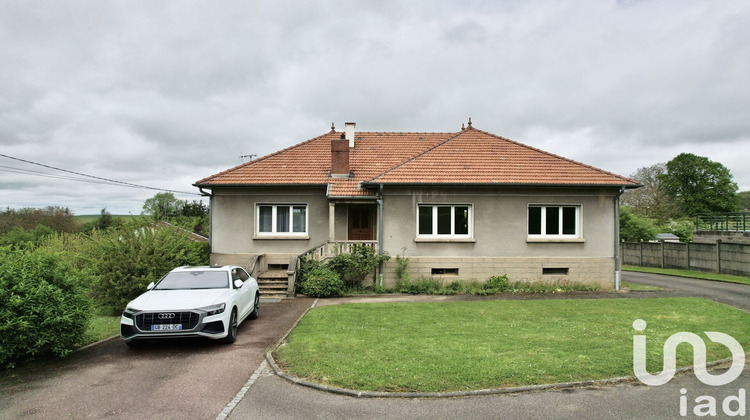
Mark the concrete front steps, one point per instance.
(273, 283)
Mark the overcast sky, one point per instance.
(163, 94)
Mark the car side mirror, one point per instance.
(150, 286)
(238, 283)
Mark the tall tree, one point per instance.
(650, 200)
(745, 200)
(698, 185)
(163, 206)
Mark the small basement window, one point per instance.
(278, 266)
(553, 271)
(445, 271)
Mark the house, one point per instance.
(463, 205)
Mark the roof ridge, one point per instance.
(397, 132)
(262, 158)
(558, 156)
(418, 155)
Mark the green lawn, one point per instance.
(453, 346)
(689, 273)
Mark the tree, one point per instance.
(105, 220)
(59, 219)
(635, 227)
(162, 206)
(650, 200)
(698, 185)
(745, 200)
(194, 208)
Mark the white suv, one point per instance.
(192, 302)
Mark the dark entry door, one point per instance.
(360, 223)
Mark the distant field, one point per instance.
(86, 218)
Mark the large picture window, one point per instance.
(547, 221)
(282, 219)
(444, 220)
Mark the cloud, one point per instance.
(166, 93)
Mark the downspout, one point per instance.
(380, 236)
(617, 238)
(210, 218)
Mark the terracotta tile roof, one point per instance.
(477, 157)
(468, 157)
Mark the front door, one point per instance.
(360, 223)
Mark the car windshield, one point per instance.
(194, 280)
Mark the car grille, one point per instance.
(188, 319)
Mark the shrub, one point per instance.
(422, 286)
(122, 262)
(402, 267)
(18, 238)
(497, 284)
(321, 281)
(305, 266)
(635, 227)
(355, 266)
(43, 309)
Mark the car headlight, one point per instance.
(129, 313)
(214, 309)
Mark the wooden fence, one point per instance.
(719, 257)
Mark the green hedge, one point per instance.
(321, 281)
(43, 309)
(122, 262)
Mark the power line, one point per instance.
(92, 179)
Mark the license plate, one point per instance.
(166, 327)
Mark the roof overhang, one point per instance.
(498, 184)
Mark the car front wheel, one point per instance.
(232, 333)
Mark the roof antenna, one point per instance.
(333, 128)
(469, 122)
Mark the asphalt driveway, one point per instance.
(190, 379)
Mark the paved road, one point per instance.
(274, 398)
(191, 379)
(737, 295)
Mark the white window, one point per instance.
(554, 221)
(281, 219)
(437, 220)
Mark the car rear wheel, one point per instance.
(256, 309)
(232, 333)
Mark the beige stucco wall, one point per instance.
(499, 242)
(233, 220)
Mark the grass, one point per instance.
(453, 346)
(689, 273)
(635, 286)
(101, 327)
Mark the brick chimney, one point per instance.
(340, 157)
